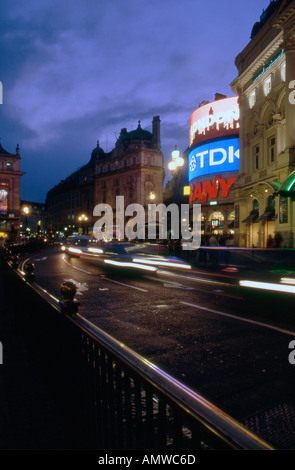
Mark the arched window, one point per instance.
(256, 205)
(271, 203)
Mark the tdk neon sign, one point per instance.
(214, 157)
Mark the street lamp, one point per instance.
(177, 161)
(152, 195)
(83, 219)
(175, 165)
(26, 211)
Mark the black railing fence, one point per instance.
(109, 396)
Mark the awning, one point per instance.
(252, 217)
(267, 215)
(288, 186)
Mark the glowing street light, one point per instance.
(152, 196)
(83, 219)
(26, 211)
(177, 161)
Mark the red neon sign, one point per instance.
(215, 119)
(210, 189)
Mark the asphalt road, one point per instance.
(229, 344)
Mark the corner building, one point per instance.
(10, 211)
(133, 169)
(264, 191)
(214, 164)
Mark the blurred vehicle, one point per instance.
(120, 255)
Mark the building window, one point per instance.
(252, 98)
(267, 86)
(3, 201)
(283, 209)
(272, 149)
(256, 157)
(283, 71)
(9, 166)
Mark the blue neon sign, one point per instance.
(214, 157)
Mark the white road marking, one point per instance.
(271, 327)
(126, 285)
(75, 267)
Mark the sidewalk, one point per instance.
(28, 419)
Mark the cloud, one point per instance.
(77, 72)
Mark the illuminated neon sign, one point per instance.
(205, 189)
(214, 157)
(268, 65)
(214, 119)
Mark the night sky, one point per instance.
(80, 71)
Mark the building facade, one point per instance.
(10, 211)
(134, 169)
(213, 164)
(264, 190)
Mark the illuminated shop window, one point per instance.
(272, 149)
(216, 221)
(267, 86)
(217, 216)
(3, 201)
(252, 98)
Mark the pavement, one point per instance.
(28, 416)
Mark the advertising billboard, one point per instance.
(215, 119)
(214, 157)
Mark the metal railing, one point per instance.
(110, 396)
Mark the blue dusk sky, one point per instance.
(80, 71)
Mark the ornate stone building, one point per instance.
(10, 175)
(133, 169)
(264, 191)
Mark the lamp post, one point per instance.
(26, 211)
(175, 165)
(177, 161)
(83, 219)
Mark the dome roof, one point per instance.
(135, 135)
(4, 152)
(97, 152)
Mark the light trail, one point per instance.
(268, 286)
